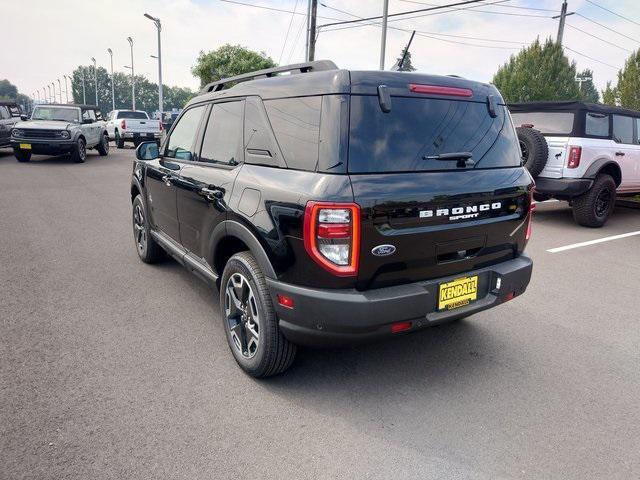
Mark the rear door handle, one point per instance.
(619, 154)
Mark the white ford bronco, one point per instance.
(580, 152)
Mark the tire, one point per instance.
(119, 141)
(540, 197)
(594, 208)
(22, 156)
(252, 330)
(148, 250)
(79, 153)
(103, 146)
(534, 149)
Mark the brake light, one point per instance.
(532, 208)
(161, 126)
(332, 236)
(574, 157)
(123, 125)
(400, 327)
(440, 90)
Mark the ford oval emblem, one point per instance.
(383, 250)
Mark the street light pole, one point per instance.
(49, 88)
(60, 90)
(383, 42)
(133, 78)
(66, 88)
(113, 91)
(158, 25)
(84, 95)
(53, 84)
(95, 77)
(44, 94)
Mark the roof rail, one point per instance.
(318, 65)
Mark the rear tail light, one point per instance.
(440, 90)
(123, 125)
(285, 301)
(332, 236)
(532, 208)
(400, 327)
(161, 126)
(574, 157)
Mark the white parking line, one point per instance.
(592, 242)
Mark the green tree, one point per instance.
(407, 66)
(609, 95)
(146, 91)
(588, 91)
(628, 88)
(538, 72)
(227, 61)
(8, 90)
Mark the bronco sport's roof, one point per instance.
(570, 106)
(325, 81)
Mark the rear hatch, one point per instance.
(137, 122)
(441, 217)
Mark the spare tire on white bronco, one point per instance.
(534, 149)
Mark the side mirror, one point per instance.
(147, 151)
(24, 118)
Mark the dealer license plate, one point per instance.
(458, 293)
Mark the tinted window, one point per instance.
(415, 129)
(134, 115)
(260, 145)
(597, 124)
(223, 137)
(558, 123)
(622, 129)
(296, 124)
(180, 144)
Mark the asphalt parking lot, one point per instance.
(111, 368)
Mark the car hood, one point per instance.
(45, 124)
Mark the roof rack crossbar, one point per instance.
(316, 66)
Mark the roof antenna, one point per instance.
(400, 63)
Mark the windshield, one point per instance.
(549, 123)
(133, 115)
(56, 113)
(429, 134)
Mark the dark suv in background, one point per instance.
(333, 206)
(10, 114)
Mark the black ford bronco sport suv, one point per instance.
(332, 206)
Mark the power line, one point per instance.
(423, 32)
(398, 14)
(284, 44)
(273, 9)
(295, 42)
(612, 12)
(591, 58)
(598, 38)
(608, 28)
(503, 6)
(475, 9)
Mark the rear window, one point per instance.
(416, 128)
(549, 123)
(133, 115)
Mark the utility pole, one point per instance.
(306, 43)
(133, 78)
(563, 15)
(383, 42)
(313, 10)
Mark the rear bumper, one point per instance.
(45, 147)
(141, 136)
(563, 187)
(324, 318)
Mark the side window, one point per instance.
(261, 147)
(622, 129)
(14, 111)
(597, 124)
(223, 137)
(88, 115)
(296, 124)
(180, 144)
(4, 112)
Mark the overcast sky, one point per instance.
(46, 39)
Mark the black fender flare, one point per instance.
(595, 167)
(231, 228)
(135, 182)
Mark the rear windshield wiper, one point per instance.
(463, 158)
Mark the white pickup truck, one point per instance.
(584, 153)
(132, 126)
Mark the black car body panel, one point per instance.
(10, 114)
(241, 167)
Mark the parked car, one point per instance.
(581, 152)
(132, 126)
(334, 206)
(10, 114)
(58, 129)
